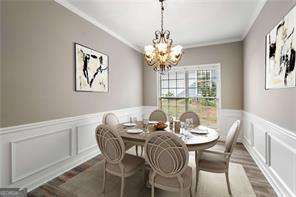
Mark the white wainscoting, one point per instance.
(33, 154)
(274, 150)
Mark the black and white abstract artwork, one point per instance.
(280, 53)
(91, 70)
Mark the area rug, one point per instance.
(89, 184)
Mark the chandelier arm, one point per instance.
(153, 64)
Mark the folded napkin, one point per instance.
(200, 130)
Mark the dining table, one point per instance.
(193, 141)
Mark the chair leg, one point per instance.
(122, 187)
(190, 190)
(228, 183)
(146, 174)
(104, 181)
(196, 170)
(142, 150)
(152, 190)
(196, 179)
(137, 150)
(104, 178)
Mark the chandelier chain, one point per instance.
(162, 10)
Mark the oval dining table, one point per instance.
(194, 142)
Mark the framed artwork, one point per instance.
(92, 70)
(280, 71)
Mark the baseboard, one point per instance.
(274, 150)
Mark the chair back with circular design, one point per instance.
(158, 115)
(166, 153)
(110, 119)
(190, 115)
(110, 143)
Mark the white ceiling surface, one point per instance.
(191, 22)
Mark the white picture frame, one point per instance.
(91, 70)
(280, 46)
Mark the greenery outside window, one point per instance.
(191, 88)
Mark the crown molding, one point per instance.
(253, 18)
(74, 9)
(95, 22)
(212, 43)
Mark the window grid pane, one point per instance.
(196, 92)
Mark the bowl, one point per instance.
(160, 126)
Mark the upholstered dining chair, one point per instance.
(218, 162)
(158, 115)
(113, 121)
(110, 119)
(167, 156)
(116, 161)
(190, 115)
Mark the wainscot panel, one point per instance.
(274, 150)
(33, 154)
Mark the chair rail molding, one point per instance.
(274, 150)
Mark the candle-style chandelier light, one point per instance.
(162, 55)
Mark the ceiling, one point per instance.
(191, 22)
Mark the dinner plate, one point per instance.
(134, 131)
(129, 124)
(152, 122)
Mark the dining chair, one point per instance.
(168, 157)
(218, 162)
(110, 119)
(158, 115)
(190, 115)
(116, 161)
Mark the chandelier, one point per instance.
(162, 55)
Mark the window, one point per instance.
(191, 88)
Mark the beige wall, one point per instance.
(38, 65)
(231, 59)
(277, 106)
(0, 65)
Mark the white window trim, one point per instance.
(213, 66)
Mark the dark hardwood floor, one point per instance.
(240, 155)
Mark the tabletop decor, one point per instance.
(162, 55)
(160, 126)
(280, 71)
(91, 69)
